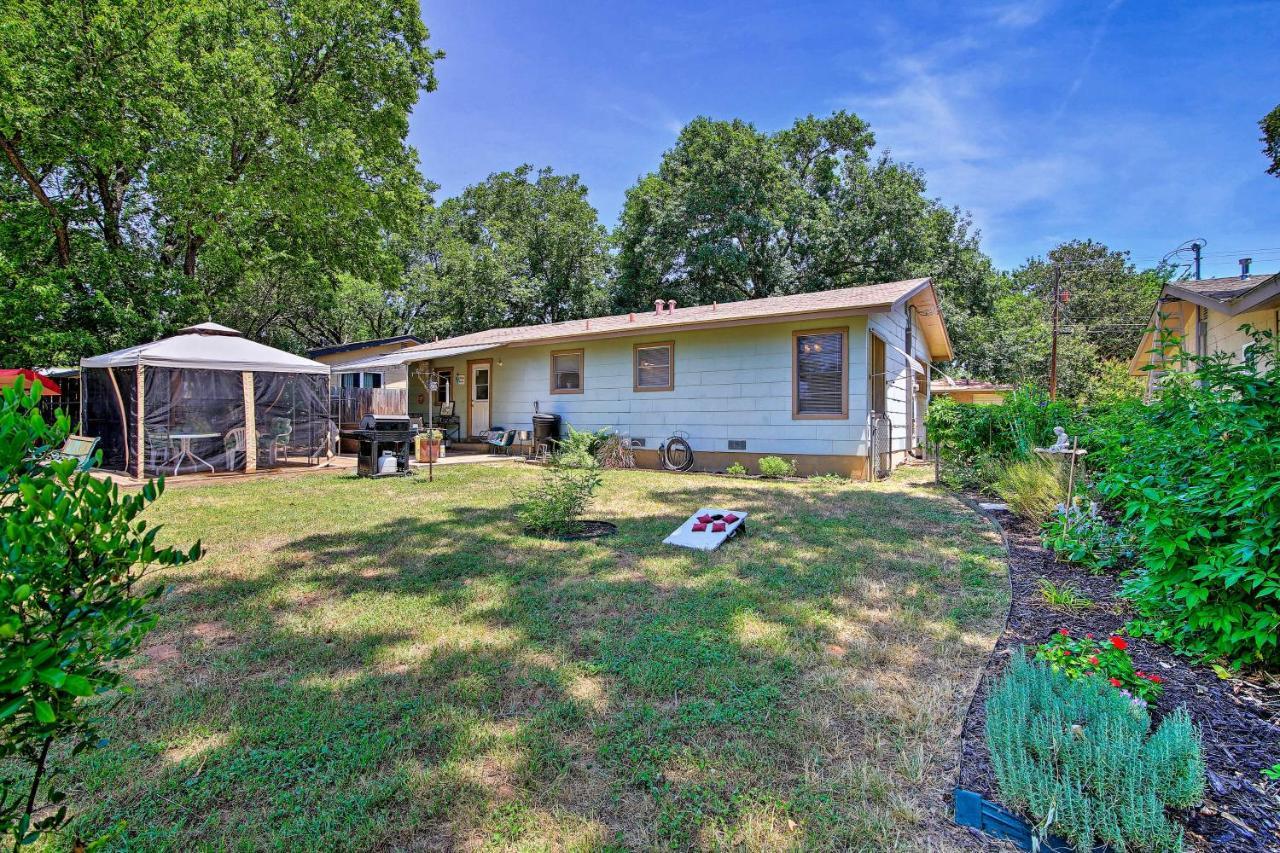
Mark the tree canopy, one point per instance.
(159, 158)
(736, 213)
(1270, 125)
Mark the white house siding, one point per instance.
(731, 383)
(891, 328)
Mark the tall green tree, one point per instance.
(522, 247)
(736, 213)
(158, 156)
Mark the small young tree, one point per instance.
(72, 550)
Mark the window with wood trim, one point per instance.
(820, 379)
(566, 371)
(655, 366)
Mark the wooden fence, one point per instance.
(349, 405)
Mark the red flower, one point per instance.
(1093, 659)
(1119, 643)
(1088, 636)
(1115, 682)
(1064, 632)
(1155, 679)
(1066, 653)
(1140, 674)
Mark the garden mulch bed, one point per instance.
(589, 530)
(1239, 718)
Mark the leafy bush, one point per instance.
(578, 448)
(1076, 657)
(965, 432)
(1079, 759)
(1031, 486)
(72, 554)
(737, 469)
(1195, 476)
(556, 504)
(774, 467)
(1083, 536)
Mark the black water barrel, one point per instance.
(546, 431)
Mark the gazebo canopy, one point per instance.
(208, 346)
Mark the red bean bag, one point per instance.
(730, 518)
(699, 527)
(718, 527)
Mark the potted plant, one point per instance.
(429, 445)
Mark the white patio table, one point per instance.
(184, 448)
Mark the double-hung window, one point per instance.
(566, 372)
(655, 366)
(820, 379)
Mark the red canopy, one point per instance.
(29, 377)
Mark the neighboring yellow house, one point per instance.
(1207, 315)
(349, 370)
(969, 390)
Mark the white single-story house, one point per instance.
(814, 377)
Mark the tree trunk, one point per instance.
(61, 237)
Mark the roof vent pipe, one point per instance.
(657, 306)
(671, 305)
(1244, 267)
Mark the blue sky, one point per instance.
(1133, 123)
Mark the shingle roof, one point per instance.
(871, 296)
(334, 349)
(1224, 289)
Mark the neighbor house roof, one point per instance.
(208, 346)
(1230, 295)
(947, 385)
(866, 299)
(335, 349)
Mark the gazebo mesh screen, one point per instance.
(203, 411)
(291, 411)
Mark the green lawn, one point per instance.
(392, 664)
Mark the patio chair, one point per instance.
(78, 447)
(501, 441)
(278, 439)
(233, 442)
(159, 446)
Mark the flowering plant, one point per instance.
(1086, 656)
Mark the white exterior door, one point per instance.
(478, 408)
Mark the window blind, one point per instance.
(566, 371)
(653, 367)
(820, 385)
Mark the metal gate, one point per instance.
(881, 446)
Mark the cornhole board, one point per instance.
(705, 540)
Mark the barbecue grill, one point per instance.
(378, 434)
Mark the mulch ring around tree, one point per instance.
(588, 530)
(1239, 717)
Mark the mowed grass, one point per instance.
(392, 664)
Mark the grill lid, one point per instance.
(385, 422)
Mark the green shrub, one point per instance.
(1086, 656)
(1031, 486)
(1078, 758)
(966, 432)
(1195, 476)
(581, 448)
(556, 504)
(72, 554)
(774, 467)
(1084, 537)
(737, 469)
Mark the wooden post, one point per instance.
(142, 427)
(250, 425)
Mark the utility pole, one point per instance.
(1053, 352)
(1195, 249)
